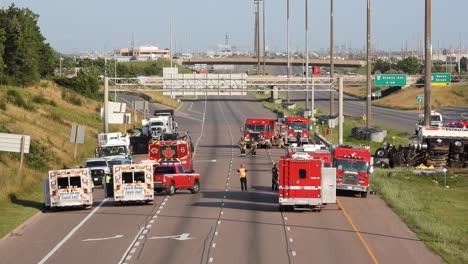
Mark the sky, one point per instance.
(199, 26)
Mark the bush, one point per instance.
(71, 98)
(83, 84)
(39, 99)
(14, 97)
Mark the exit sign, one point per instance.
(441, 79)
(390, 79)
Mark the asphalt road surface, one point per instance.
(221, 224)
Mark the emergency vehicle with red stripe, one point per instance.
(353, 168)
(133, 183)
(68, 188)
(304, 183)
(316, 151)
(172, 151)
(260, 129)
(298, 126)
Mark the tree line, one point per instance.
(25, 56)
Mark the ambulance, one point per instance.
(133, 183)
(68, 188)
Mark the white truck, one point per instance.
(113, 144)
(436, 121)
(161, 124)
(68, 188)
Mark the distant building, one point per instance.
(143, 53)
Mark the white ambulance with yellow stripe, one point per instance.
(68, 188)
(133, 183)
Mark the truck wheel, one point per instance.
(380, 153)
(364, 194)
(171, 190)
(195, 187)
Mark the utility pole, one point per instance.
(289, 55)
(369, 67)
(428, 62)
(307, 56)
(257, 34)
(170, 40)
(332, 66)
(264, 50)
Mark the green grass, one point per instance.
(438, 215)
(19, 208)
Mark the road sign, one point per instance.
(389, 79)
(420, 98)
(441, 79)
(77, 134)
(13, 142)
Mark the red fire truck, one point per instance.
(260, 129)
(304, 183)
(316, 151)
(298, 127)
(353, 168)
(179, 151)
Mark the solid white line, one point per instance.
(60, 244)
(103, 238)
(196, 119)
(131, 245)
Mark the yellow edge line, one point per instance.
(369, 251)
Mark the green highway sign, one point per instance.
(389, 79)
(441, 79)
(420, 98)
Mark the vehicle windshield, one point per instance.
(157, 124)
(165, 170)
(255, 128)
(118, 162)
(97, 163)
(114, 150)
(298, 126)
(350, 165)
(435, 118)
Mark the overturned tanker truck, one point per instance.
(442, 146)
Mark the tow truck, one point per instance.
(170, 176)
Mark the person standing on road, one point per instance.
(109, 186)
(242, 171)
(274, 177)
(242, 146)
(253, 147)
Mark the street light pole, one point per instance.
(307, 55)
(289, 56)
(428, 63)
(264, 50)
(369, 66)
(332, 54)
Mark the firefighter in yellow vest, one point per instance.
(109, 186)
(242, 171)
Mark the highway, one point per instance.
(221, 224)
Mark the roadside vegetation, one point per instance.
(437, 214)
(44, 113)
(455, 95)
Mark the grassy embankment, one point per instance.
(435, 213)
(46, 113)
(455, 95)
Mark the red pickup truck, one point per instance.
(174, 176)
